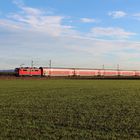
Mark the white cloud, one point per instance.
(117, 14)
(19, 3)
(136, 16)
(10, 24)
(88, 20)
(69, 51)
(125, 53)
(110, 32)
(32, 11)
(36, 19)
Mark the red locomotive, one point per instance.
(74, 72)
(28, 71)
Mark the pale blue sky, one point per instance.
(72, 33)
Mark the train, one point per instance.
(75, 72)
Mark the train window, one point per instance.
(24, 70)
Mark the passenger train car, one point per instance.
(56, 71)
(75, 72)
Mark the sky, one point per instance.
(70, 33)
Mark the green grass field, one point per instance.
(69, 109)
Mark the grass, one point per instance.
(69, 109)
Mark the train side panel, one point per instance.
(57, 72)
(127, 73)
(137, 73)
(110, 73)
(82, 72)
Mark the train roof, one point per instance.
(27, 68)
(72, 68)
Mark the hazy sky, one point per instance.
(72, 33)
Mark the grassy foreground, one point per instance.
(69, 109)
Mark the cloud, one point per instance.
(9, 24)
(125, 53)
(121, 14)
(19, 3)
(117, 14)
(136, 16)
(110, 32)
(69, 51)
(88, 20)
(36, 19)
